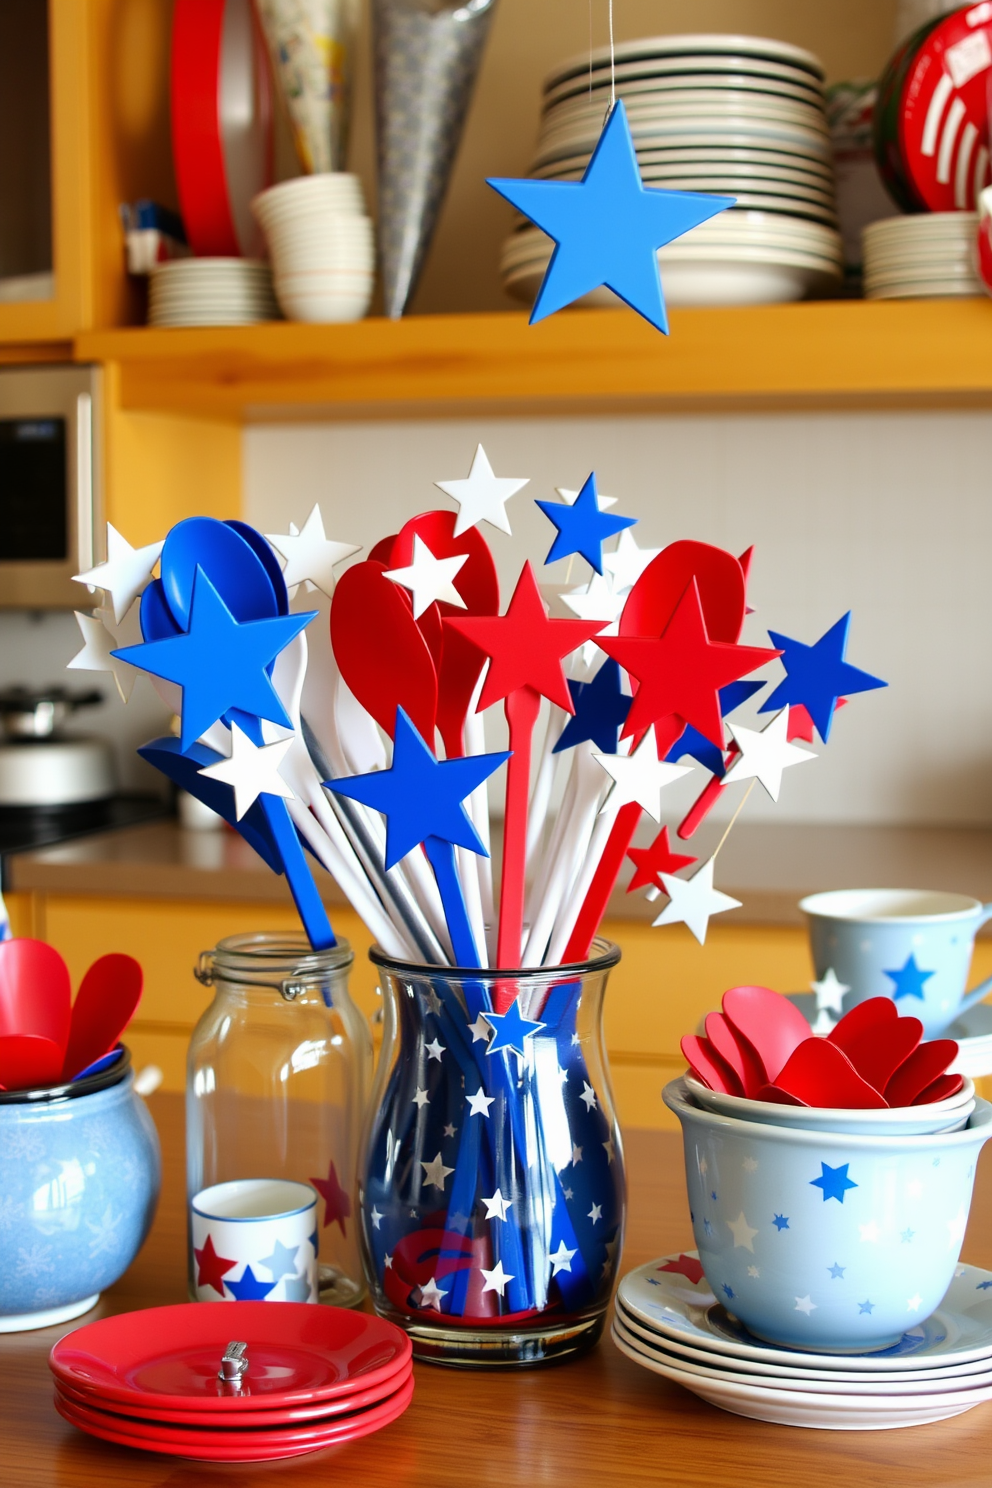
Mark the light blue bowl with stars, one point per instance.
(825, 1241)
(79, 1181)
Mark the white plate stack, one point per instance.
(923, 256)
(322, 246)
(729, 115)
(211, 291)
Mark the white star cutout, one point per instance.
(482, 497)
(597, 601)
(915, 1302)
(561, 1259)
(750, 1165)
(429, 578)
(435, 1172)
(595, 1213)
(497, 1278)
(480, 1029)
(375, 1217)
(627, 562)
(956, 1228)
(479, 1103)
(251, 771)
(639, 777)
(102, 634)
(869, 1232)
(742, 1232)
(125, 572)
(693, 900)
(765, 753)
(753, 1271)
(431, 1294)
(497, 1206)
(588, 1096)
(830, 992)
(571, 497)
(310, 554)
(421, 1099)
(804, 1304)
(435, 1049)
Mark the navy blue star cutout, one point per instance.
(866, 1307)
(511, 1029)
(220, 663)
(601, 708)
(780, 1222)
(909, 979)
(582, 526)
(694, 744)
(836, 1271)
(817, 676)
(608, 227)
(249, 1288)
(833, 1181)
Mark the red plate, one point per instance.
(943, 112)
(251, 1445)
(169, 1356)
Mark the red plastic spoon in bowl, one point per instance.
(876, 1039)
(735, 1052)
(105, 1004)
(35, 993)
(920, 1070)
(709, 1066)
(772, 1025)
(27, 1062)
(820, 1074)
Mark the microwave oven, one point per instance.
(49, 484)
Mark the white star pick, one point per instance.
(496, 1279)
(252, 770)
(639, 777)
(429, 578)
(125, 572)
(742, 1232)
(588, 1096)
(435, 1172)
(765, 753)
(101, 635)
(310, 554)
(561, 1259)
(571, 497)
(479, 1103)
(830, 992)
(597, 601)
(497, 1206)
(431, 1294)
(483, 496)
(691, 901)
(627, 562)
(806, 1305)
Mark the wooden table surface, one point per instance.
(600, 1422)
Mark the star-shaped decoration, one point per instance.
(907, 1236)
(608, 227)
(834, 1182)
(691, 901)
(483, 496)
(337, 1204)
(753, 1271)
(601, 707)
(497, 1206)
(765, 754)
(568, 1194)
(870, 1233)
(582, 526)
(915, 1302)
(124, 573)
(561, 1259)
(805, 1304)
(296, 1289)
(282, 1261)
(495, 1279)
(568, 496)
(597, 601)
(212, 1268)
(450, 1129)
(480, 1029)
(866, 1307)
(651, 862)
(387, 1261)
(435, 1172)
(511, 1028)
(434, 1002)
(909, 979)
(576, 1155)
(837, 1272)
(421, 1098)
(310, 555)
(101, 636)
(479, 1103)
(251, 770)
(431, 1294)
(750, 1165)
(687, 1266)
(780, 1222)
(627, 562)
(956, 1228)
(421, 797)
(817, 676)
(830, 992)
(250, 1288)
(428, 578)
(639, 776)
(220, 663)
(435, 1049)
(742, 1232)
(588, 1096)
(375, 1217)
(983, 1286)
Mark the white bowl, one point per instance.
(325, 298)
(906, 1121)
(340, 187)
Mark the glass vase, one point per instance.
(492, 1188)
(277, 1081)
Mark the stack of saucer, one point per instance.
(729, 115)
(322, 246)
(932, 254)
(668, 1321)
(211, 291)
(233, 1382)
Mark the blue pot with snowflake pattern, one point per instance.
(79, 1181)
(823, 1241)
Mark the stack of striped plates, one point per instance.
(929, 254)
(211, 291)
(731, 115)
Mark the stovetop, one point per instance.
(23, 829)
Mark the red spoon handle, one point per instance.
(521, 708)
(706, 800)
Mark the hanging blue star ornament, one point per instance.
(601, 708)
(511, 1028)
(818, 676)
(582, 526)
(910, 979)
(421, 799)
(608, 227)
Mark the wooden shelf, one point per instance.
(825, 354)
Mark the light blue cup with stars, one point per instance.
(913, 945)
(816, 1240)
(254, 1240)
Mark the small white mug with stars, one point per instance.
(254, 1240)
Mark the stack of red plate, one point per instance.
(311, 1377)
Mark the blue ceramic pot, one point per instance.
(79, 1181)
(821, 1240)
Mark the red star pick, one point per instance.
(211, 1268)
(686, 1266)
(681, 671)
(651, 862)
(337, 1203)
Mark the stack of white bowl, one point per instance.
(915, 257)
(211, 291)
(321, 244)
(730, 115)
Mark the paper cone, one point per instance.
(427, 54)
(311, 44)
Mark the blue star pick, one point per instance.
(601, 708)
(582, 526)
(511, 1029)
(282, 1261)
(817, 676)
(833, 1181)
(608, 227)
(694, 744)
(909, 979)
(219, 663)
(249, 1288)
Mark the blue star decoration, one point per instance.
(907, 1236)
(694, 744)
(983, 1286)
(780, 1222)
(601, 708)
(220, 663)
(249, 1288)
(833, 1181)
(282, 1261)
(818, 676)
(582, 527)
(909, 979)
(728, 1291)
(866, 1307)
(511, 1028)
(837, 1272)
(608, 227)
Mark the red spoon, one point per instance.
(921, 1069)
(35, 993)
(769, 1022)
(709, 1067)
(820, 1074)
(105, 1004)
(379, 650)
(28, 1062)
(736, 1052)
(876, 1040)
